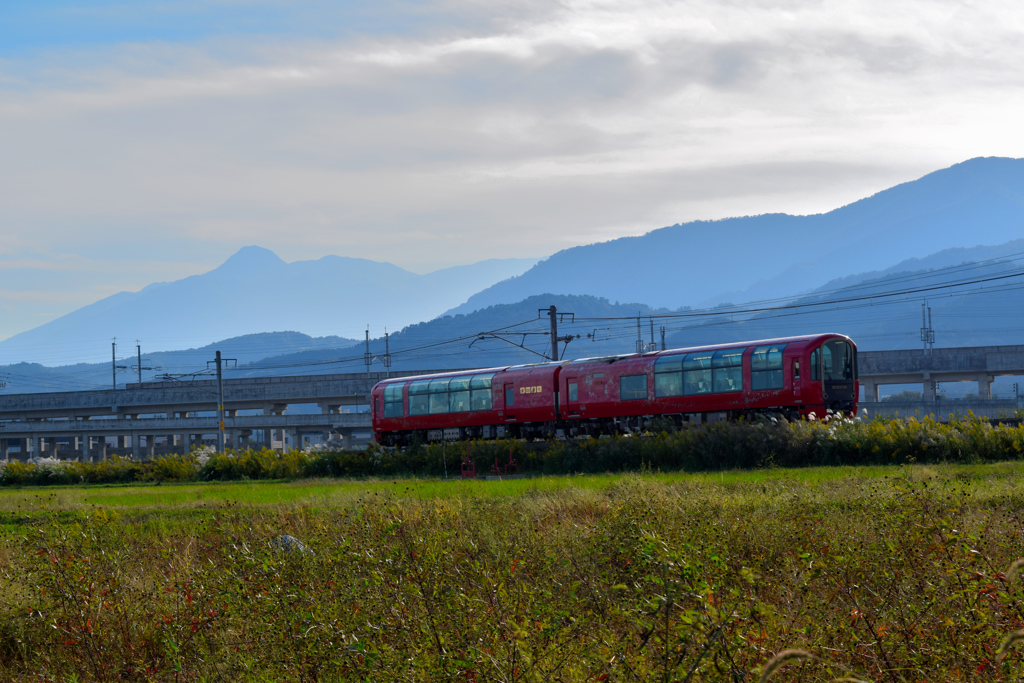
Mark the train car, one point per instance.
(791, 377)
(490, 403)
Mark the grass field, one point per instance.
(878, 573)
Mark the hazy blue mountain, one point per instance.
(255, 291)
(703, 263)
(979, 314)
(33, 377)
(421, 346)
(426, 345)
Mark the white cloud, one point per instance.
(528, 129)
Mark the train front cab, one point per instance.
(833, 377)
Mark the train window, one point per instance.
(697, 373)
(458, 397)
(632, 387)
(669, 364)
(480, 399)
(837, 360)
(480, 382)
(393, 400)
(727, 370)
(438, 403)
(419, 401)
(459, 402)
(668, 384)
(438, 396)
(574, 392)
(668, 376)
(510, 397)
(766, 368)
(816, 365)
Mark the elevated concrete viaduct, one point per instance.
(156, 418)
(981, 364)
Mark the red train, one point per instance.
(793, 376)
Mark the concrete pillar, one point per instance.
(870, 392)
(985, 387)
(3, 449)
(151, 446)
(927, 390)
(84, 445)
(184, 443)
(135, 445)
(34, 447)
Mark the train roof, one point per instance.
(808, 338)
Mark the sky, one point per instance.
(149, 140)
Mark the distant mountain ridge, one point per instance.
(33, 377)
(704, 263)
(415, 348)
(255, 291)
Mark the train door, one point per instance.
(796, 378)
(510, 402)
(572, 397)
(837, 364)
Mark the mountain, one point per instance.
(33, 377)
(446, 342)
(705, 263)
(983, 310)
(255, 291)
(492, 336)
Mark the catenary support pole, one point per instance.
(553, 312)
(220, 406)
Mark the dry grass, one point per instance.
(888, 574)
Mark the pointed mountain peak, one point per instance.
(253, 257)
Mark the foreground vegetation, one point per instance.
(885, 573)
(696, 449)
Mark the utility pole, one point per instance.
(220, 398)
(931, 333)
(653, 347)
(387, 355)
(367, 358)
(220, 403)
(927, 333)
(552, 312)
(114, 367)
(663, 338)
(639, 336)
(139, 368)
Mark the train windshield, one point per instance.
(837, 361)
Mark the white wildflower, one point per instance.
(204, 454)
(51, 464)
